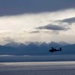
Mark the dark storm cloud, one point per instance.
(14, 7)
(53, 27)
(69, 20)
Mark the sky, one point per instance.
(37, 21)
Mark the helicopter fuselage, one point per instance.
(54, 50)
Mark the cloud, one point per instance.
(21, 28)
(30, 21)
(69, 20)
(15, 7)
(36, 31)
(53, 27)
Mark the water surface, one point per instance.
(37, 68)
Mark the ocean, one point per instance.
(38, 68)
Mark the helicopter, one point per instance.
(55, 50)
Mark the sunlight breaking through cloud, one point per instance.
(20, 27)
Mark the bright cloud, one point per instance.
(18, 27)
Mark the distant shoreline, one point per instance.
(30, 58)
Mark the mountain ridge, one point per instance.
(36, 48)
